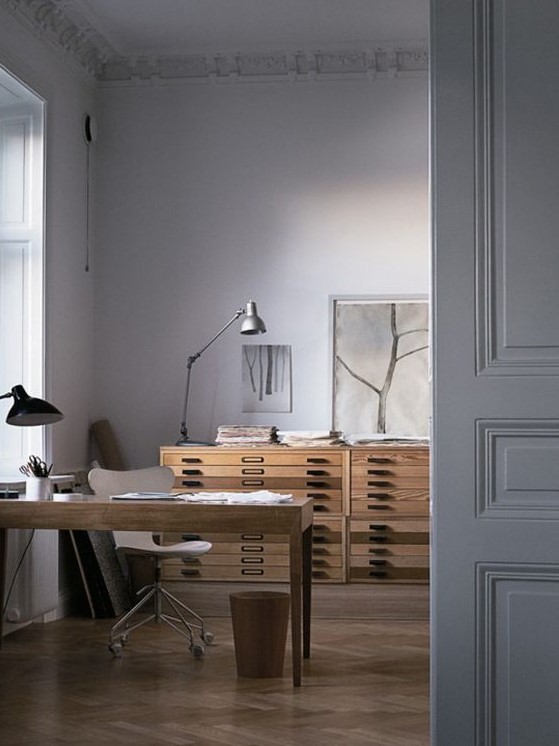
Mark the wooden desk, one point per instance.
(100, 514)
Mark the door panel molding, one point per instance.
(514, 335)
(516, 689)
(517, 469)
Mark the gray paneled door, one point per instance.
(495, 157)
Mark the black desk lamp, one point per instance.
(28, 410)
(252, 324)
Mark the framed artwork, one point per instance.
(381, 366)
(266, 378)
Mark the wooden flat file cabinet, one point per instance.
(318, 473)
(371, 508)
(389, 519)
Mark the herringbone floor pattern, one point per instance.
(365, 685)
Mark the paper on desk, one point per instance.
(231, 498)
(148, 496)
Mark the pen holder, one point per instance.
(38, 488)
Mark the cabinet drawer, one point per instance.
(244, 539)
(405, 560)
(390, 574)
(276, 456)
(262, 471)
(389, 457)
(247, 483)
(387, 483)
(389, 532)
(390, 550)
(415, 502)
(222, 572)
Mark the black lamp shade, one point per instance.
(28, 410)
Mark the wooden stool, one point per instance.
(260, 621)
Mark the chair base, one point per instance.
(183, 620)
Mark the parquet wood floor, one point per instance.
(365, 685)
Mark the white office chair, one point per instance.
(184, 620)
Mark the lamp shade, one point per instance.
(28, 410)
(252, 323)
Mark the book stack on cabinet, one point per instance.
(319, 473)
(371, 511)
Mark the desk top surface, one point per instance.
(98, 513)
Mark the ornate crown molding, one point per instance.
(60, 23)
(261, 66)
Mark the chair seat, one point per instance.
(142, 541)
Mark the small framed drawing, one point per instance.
(381, 366)
(266, 378)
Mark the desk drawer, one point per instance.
(389, 574)
(249, 483)
(391, 531)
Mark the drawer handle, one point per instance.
(378, 539)
(252, 571)
(190, 537)
(317, 495)
(191, 472)
(378, 507)
(191, 460)
(190, 561)
(191, 483)
(376, 562)
(319, 574)
(377, 573)
(190, 573)
(377, 460)
(252, 471)
(378, 551)
(378, 472)
(254, 548)
(252, 537)
(317, 551)
(317, 484)
(319, 527)
(378, 484)
(319, 563)
(252, 459)
(316, 460)
(377, 526)
(252, 482)
(252, 560)
(378, 496)
(317, 473)
(317, 508)
(318, 539)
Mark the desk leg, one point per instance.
(295, 577)
(3, 557)
(307, 586)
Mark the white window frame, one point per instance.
(22, 263)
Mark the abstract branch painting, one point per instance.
(381, 362)
(266, 378)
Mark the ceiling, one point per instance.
(171, 27)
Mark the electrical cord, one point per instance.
(10, 589)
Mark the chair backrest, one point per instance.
(105, 482)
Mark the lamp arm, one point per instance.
(190, 362)
(7, 396)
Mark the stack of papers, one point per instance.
(148, 496)
(231, 498)
(260, 497)
(309, 438)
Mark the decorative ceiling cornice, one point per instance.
(59, 23)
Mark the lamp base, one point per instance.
(188, 442)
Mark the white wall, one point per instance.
(209, 195)
(69, 290)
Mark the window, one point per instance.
(21, 261)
